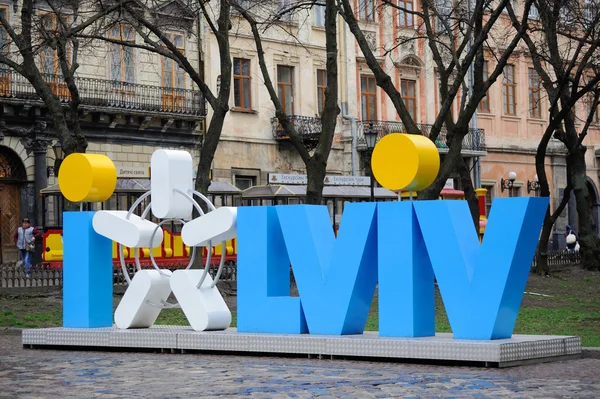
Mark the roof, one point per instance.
(286, 191)
(143, 185)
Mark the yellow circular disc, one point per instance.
(405, 162)
(87, 177)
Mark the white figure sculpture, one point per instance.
(171, 198)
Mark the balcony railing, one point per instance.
(309, 128)
(473, 141)
(109, 94)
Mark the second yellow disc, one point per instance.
(405, 162)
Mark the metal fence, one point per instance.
(473, 141)
(12, 277)
(108, 93)
(559, 258)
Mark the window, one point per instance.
(50, 62)
(285, 88)
(3, 34)
(534, 13)
(368, 98)
(321, 86)
(514, 191)
(319, 15)
(535, 85)
(509, 90)
(244, 182)
(173, 76)
(409, 96)
(566, 16)
(244, 4)
(122, 63)
(512, 3)
(489, 196)
(284, 9)
(443, 10)
(4, 50)
(590, 11)
(484, 104)
(366, 9)
(590, 103)
(242, 97)
(405, 18)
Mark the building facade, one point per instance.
(132, 102)
(506, 128)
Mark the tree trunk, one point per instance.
(469, 190)
(588, 240)
(453, 158)
(541, 266)
(209, 147)
(316, 170)
(316, 166)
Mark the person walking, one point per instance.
(25, 240)
(571, 237)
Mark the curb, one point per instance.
(10, 331)
(593, 353)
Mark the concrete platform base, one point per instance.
(520, 349)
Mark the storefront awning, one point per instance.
(290, 191)
(143, 185)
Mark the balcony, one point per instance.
(109, 94)
(473, 143)
(309, 128)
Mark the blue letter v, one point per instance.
(336, 278)
(482, 285)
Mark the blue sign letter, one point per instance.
(336, 278)
(482, 285)
(406, 295)
(264, 302)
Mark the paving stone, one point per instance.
(66, 374)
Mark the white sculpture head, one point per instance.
(171, 172)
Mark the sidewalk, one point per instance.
(45, 373)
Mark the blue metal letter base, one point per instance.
(87, 274)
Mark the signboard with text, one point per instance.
(330, 180)
(131, 172)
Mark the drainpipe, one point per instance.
(345, 114)
(353, 154)
(471, 78)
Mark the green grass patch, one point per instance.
(571, 307)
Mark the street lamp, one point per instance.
(508, 184)
(533, 185)
(59, 155)
(371, 139)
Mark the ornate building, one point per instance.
(132, 102)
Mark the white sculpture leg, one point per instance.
(134, 310)
(204, 307)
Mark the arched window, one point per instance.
(11, 166)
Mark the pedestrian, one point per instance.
(571, 237)
(25, 240)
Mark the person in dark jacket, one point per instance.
(25, 240)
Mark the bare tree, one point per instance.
(564, 49)
(53, 31)
(316, 163)
(457, 35)
(154, 31)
